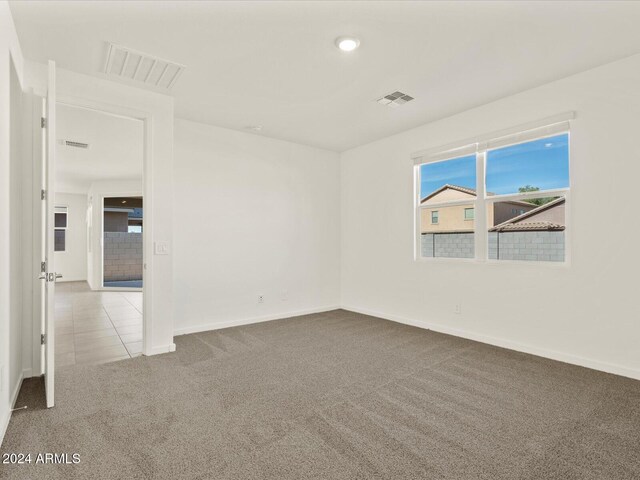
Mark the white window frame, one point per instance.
(65, 228)
(464, 213)
(548, 127)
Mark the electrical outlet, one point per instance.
(457, 309)
(260, 298)
(161, 247)
(284, 296)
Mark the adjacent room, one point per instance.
(98, 247)
(319, 240)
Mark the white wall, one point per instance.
(10, 209)
(586, 313)
(72, 263)
(97, 192)
(252, 216)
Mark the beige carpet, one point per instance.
(333, 395)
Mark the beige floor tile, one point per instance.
(127, 322)
(124, 329)
(91, 317)
(86, 321)
(64, 330)
(105, 332)
(64, 347)
(63, 338)
(123, 310)
(89, 326)
(131, 337)
(117, 318)
(134, 348)
(85, 344)
(89, 312)
(65, 359)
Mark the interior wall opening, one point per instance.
(98, 235)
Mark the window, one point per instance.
(524, 180)
(447, 191)
(469, 213)
(60, 229)
(535, 229)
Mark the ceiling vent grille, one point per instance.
(71, 143)
(395, 99)
(128, 64)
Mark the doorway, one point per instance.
(99, 189)
(122, 246)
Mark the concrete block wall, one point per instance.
(448, 245)
(532, 246)
(122, 256)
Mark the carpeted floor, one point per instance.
(332, 395)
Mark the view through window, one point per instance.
(525, 201)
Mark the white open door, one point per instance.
(48, 275)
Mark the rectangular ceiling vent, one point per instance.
(71, 143)
(128, 64)
(395, 99)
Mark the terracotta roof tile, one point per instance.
(530, 226)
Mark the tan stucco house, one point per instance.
(460, 218)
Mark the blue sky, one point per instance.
(541, 163)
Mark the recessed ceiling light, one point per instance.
(347, 44)
(254, 128)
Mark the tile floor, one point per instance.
(96, 326)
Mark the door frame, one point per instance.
(102, 196)
(147, 192)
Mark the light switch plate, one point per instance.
(161, 247)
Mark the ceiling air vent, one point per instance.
(71, 143)
(395, 99)
(127, 64)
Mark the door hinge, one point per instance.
(43, 267)
(43, 338)
(43, 194)
(43, 122)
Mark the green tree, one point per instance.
(535, 201)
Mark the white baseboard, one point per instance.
(27, 373)
(161, 349)
(509, 344)
(14, 397)
(250, 320)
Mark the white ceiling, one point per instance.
(275, 64)
(115, 149)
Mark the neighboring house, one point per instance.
(460, 218)
(547, 217)
(120, 219)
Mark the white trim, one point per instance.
(161, 349)
(147, 118)
(14, 397)
(519, 197)
(452, 150)
(508, 344)
(250, 320)
(526, 136)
